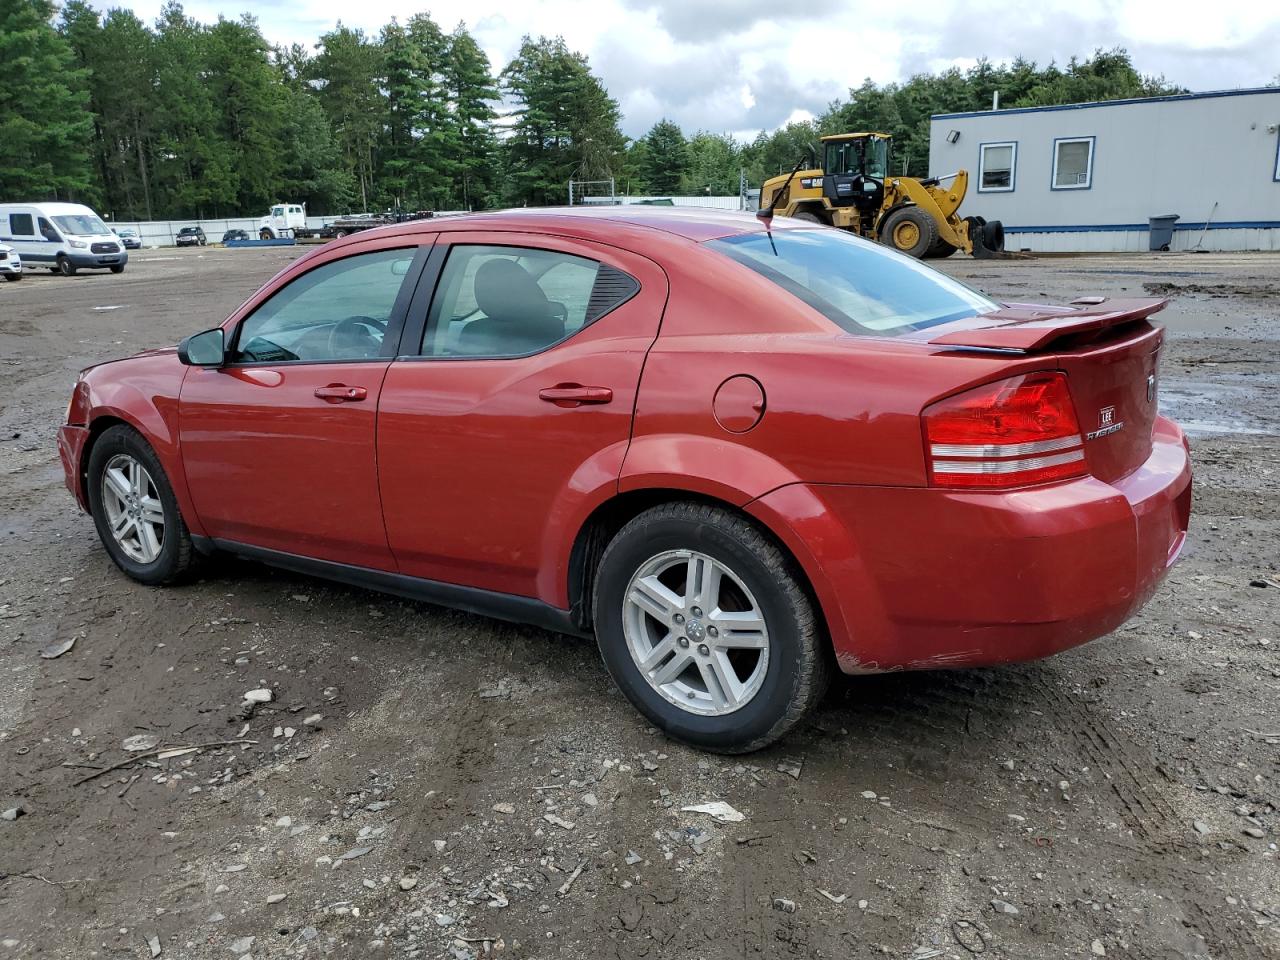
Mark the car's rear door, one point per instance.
(278, 445)
(513, 405)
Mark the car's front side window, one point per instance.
(338, 311)
(496, 301)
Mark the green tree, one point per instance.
(565, 124)
(714, 165)
(346, 74)
(195, 169)
(45, 120)
(249, 103)
(665, 158)
(311, 170)
(471, 90)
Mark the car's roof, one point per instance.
(692, 223)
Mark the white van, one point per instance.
(61, 236)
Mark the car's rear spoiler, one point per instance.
(1024, 328)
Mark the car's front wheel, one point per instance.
(704, 623)
(134, 508)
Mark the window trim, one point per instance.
(395, 323)
(414, 334)
(1053, 174)
(1275, 177)
(1013, 165)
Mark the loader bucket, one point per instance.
(987, 237)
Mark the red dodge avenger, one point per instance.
(738, 455)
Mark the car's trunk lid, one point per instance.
(1110, 353)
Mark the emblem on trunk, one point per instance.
(1106, 424)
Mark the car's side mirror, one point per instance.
(206, 349)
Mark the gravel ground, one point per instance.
(432, 784)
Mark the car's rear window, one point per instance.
(861, 286)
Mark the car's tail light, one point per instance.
(1011, 433)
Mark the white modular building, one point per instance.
(1091, 176)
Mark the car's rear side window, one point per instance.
(861, 286)
(499, 301)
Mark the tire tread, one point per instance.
(815, 660)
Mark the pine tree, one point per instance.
(471, 90)
(666, 157)
(248, 102)
(565, 123)
(195, 169)
(45, 121)
(346, 72)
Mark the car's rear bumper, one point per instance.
(71, 441)
(919, 578)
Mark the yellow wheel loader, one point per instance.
(855, 191)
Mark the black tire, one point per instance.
(993, 235)
(939, 251)
(265, 234)
(117, 268)
(176, 555)
(65, 266)
(339, 234)
(799, 664)
(13, 277)
(897, 231)
(806, 215)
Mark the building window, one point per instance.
(996, 163)
(1073, 163)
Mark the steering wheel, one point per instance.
(356, 336)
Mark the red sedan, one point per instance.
(739, 456)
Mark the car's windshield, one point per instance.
(861, 286)
(187, 230)
(81, 225)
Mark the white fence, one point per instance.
(163, 233)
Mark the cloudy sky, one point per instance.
(744, 65)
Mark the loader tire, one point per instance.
(939, 251)
(806, 215)
(910, 231)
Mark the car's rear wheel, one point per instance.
(134, 508)
(705, 625)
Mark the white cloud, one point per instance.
(750, 64)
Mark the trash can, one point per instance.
(1162, 231)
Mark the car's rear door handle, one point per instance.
(341, 393)
(575, 394)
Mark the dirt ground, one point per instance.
(432, 784)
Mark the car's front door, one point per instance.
(515, 402)
(278, 444)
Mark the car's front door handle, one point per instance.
(341, 393)
(575, 394)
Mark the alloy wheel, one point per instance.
(695, 632)
(135, 515)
